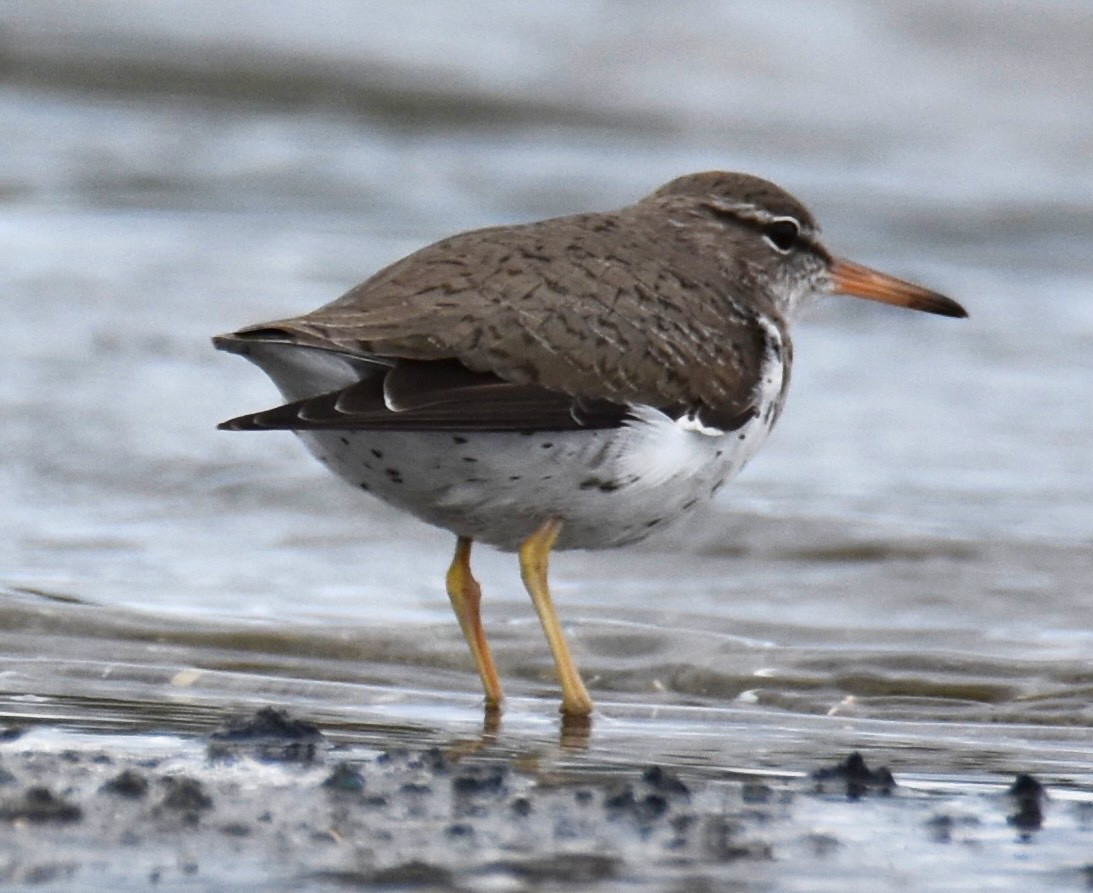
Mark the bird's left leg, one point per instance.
(534, 555)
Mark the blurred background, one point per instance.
(914, 541)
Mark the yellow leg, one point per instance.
(534, 554)
(466, 596)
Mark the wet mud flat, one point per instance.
(271, 802)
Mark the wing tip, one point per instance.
(229, 342)
(241, 423)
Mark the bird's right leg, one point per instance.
(466, 596)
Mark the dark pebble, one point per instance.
(1026, 786)
(270, 735)
(344, 778)
(480, 782)
(521, 806)
(414, 787)
(619, 798)
(434, 760)
(185, 795)
(622, 801)
(665, 782)
(40, 805)
(1028, 798)
(128, 783)
(940, 828)
(857, 776)
(653, 806)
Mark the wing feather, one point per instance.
(440, 396)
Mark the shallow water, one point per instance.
(905, 568)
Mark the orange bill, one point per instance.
(862, 282)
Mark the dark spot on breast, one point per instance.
(394, 474)
(689, 504)
(458, 440)
(364, 487)
(598, 484)
(514, 477)
(377, 453)
(716, 487)
(654, 522)
(469, 459)
(344, 441)
(546, 445)
(740, 436)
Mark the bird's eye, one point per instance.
(782, 233)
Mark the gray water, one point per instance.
(906, 566)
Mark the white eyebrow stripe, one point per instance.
(754, 214)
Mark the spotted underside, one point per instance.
(612, 474)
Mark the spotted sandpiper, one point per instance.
(573, 383)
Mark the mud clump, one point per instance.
(271, 736)
(857, 777)
(128, 783)
(186, 798)
(1028, 796)
(39, 805)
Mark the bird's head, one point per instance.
(771, 239)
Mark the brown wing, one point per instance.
(615, 307)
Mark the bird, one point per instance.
(577, 382)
